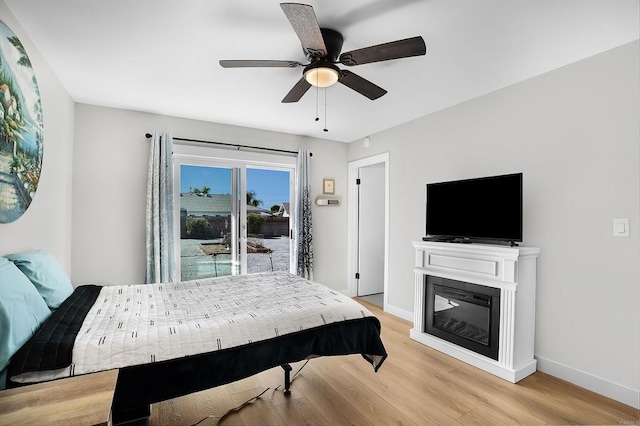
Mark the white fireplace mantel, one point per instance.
(513, 271)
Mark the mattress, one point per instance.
(135, 325)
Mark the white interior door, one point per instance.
(371, 229)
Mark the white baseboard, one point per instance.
(598, 385)
(399, 312)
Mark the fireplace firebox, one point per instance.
(463, 313)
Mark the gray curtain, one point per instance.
(159, 215)
(303, 234)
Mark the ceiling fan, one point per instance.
(322, 48)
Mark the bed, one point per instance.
(169, 340)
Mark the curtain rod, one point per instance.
(148, 135)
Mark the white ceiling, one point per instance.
(161, 56)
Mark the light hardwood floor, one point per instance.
(415, 385)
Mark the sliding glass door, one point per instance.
(234, 217)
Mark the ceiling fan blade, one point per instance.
(305, 24)
(361, 85)
(297, 91)
(258, 63)
(406, 48)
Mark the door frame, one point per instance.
(352, 213)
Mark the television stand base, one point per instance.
(462, 240)
(447, 240)
(438, 239)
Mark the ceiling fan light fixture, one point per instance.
(322, 76)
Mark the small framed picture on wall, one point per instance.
(328, 186)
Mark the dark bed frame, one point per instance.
(139, 386)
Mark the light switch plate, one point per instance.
(621, 227)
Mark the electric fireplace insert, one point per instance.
(463, 313)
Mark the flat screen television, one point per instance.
(482, 209)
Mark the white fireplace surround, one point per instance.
(513, 271)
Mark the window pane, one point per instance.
(268, 212)
(205, 222)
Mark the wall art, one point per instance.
(21, 130)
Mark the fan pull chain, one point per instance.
(325, 110)
(317, 100)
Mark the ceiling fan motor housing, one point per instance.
(333, 42)
(321, 71)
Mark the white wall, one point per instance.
(109, 186)
(47, 222)
(574, 133)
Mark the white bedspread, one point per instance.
(138, 324)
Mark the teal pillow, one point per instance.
(44, 271)
(22, 310)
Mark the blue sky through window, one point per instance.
(271, 186)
